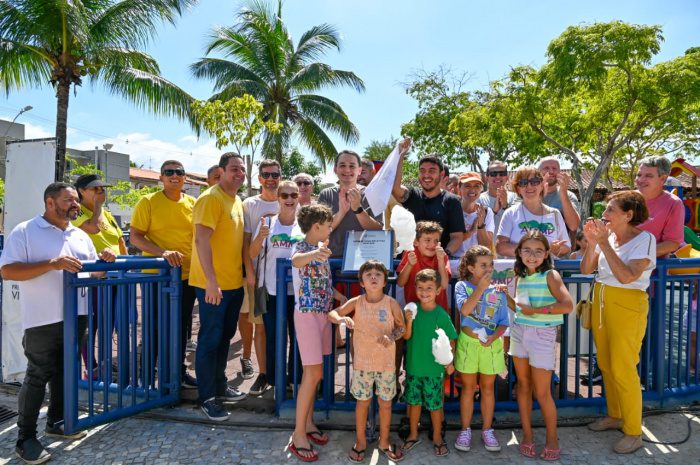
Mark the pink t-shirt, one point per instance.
(372, 321)
(666, 218)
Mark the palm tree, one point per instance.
(260, 59)
(61, 42)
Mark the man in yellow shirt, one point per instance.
(217, 275)
(161, 226)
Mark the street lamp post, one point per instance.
(107, 148)
(23, 110)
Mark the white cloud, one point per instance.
(32, 131)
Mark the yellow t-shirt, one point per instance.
(109, 234)
(219, 211)
(167, 223)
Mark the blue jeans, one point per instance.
(270, 320)
(217, 326)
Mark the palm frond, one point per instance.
(319, 75)
(241, 49)
(315, 42)
(263, 28)
(329, 115)
(228, 75)
(316, 140)
(22, 65)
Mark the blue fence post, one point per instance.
(658, 321)
(175, 316)
(70, 353)
(281, 333)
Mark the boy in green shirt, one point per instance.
(424, 376)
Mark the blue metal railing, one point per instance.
(665, 371)
(142, 368)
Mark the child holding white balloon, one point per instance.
(424, 375)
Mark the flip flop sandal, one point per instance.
(318, 438)
(527, 450)
(359, 453)
(441, 450)
(408, 445)
(550, 455)
(393, 453)
(297, 452)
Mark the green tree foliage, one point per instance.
(596, 100)
(260, 59)
(2, 192)
(62, 42)
(440, 97)
(237, 122)
(379, 150)
(295, 163)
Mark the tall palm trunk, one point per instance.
(62, 96)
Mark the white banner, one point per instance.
(29, 168)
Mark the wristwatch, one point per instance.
(359, 210)
(482, 226)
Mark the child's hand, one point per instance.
(440, 254)
(340, 298)
(348, 322)
(323, 253)
(489, 340)
(385, 341)
(449, 369)
(484, 283)
(412, 258)
(408, 316)
(526, 309)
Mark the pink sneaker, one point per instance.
(464, 440)
(490, 442)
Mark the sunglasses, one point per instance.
(171, 172)
(498, 173)
(304, 183)
(285, 195)
(532, 181)
(274, 175)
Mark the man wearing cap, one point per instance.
(36, 254)
(557, 194)
(498, 198)
(161, 226)
(478, 220)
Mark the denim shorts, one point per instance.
(536, 343)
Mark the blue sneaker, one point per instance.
(214, 411)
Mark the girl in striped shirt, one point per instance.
(542, 299)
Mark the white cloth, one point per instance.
(469, 219)
(517, 220)
(379, 189)
(37, 240)
(279, 245)
(642, 246)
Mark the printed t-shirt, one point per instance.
(538, 295)
(372, 321)
(423, 263)
(313, 284)
(37, 240)
(278, 244)
(222, 213)
(445, 209)
(642, 246)
(331, 197)
(419, 352)
(518, 220)
(490, 312)
(167, 223)
(469, 219)
(666, 218)
(110, 232)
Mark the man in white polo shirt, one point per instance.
(36, 253)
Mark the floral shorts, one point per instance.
(384, 384)
(425, 391)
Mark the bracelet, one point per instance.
(482, 226)
(359, 210)
(547, 310)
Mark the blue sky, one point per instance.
(384, 42)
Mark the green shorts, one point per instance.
(472, 357)
(425, 391)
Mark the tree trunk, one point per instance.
(249, 173)
(62, 96)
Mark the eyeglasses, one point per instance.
(537, 253)
(497, 173)
(285, 195)
(266, 175)
(304, 183)
(172, 172)
(532, 181)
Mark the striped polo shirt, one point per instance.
(538, 292)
